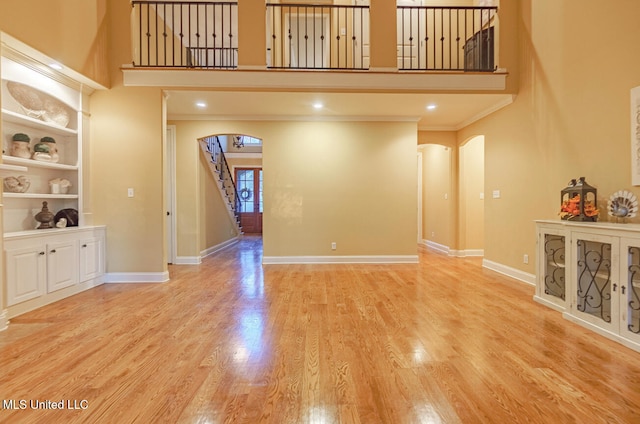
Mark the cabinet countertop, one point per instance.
(51, 231)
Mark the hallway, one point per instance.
(230, 340)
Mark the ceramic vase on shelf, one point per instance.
(46, 150)
(44, 217)
(20, 146)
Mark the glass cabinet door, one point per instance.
(554, 266)
(630, 291)
(596, 280)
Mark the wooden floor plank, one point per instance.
(230, 340)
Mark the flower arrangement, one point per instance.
(571, 208)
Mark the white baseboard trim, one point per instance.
(136, 277)
(4, 320)
(188, 260)
(525, 277)
(395, 259)
(218, 247)
(436, 246)
(466, 253)
(457, 253)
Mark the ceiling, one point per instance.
(452, 112)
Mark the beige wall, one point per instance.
(127, 137)
(350, 183)
(471, 194)
(570, 119)
(73, 32)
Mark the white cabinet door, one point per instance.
(62, 265)
(630, 289)
(595, 279)
(26, 273)
(91, 258)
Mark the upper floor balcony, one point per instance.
(379, 46)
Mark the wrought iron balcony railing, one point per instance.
(185, 34)
(195, 34)
(446, 38)
(303, 36)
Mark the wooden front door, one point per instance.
(249, 185)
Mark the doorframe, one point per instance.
(420, 239)
(233, 173)
(170, 194)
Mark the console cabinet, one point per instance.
(591, 273)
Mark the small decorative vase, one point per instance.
(44, 217)
(20, 146)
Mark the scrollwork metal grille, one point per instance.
(554, 277)
(633, 299)
(594, 279)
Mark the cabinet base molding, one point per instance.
(4, 320)
(608, 334)
(30, 305)
(136, 277)
(548, 304)
(525, 277)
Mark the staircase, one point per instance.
(212, 150)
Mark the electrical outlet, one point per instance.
(525, 259)
(333, 245)
(129, 192)
(496, 194)
(433, 233)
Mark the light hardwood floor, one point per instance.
(443, 341)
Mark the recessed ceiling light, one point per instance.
(55, 66)
(201, 104)
(317, 105)
(431, 107)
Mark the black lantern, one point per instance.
(578, 201)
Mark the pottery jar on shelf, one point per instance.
(20, 146)
(46, 150)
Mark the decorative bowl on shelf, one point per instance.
(39, 105)
(27, 97)
(18, 184)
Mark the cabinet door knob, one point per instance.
(84, 245)
(41, 253)
(53, 251)
(622, 288)
(615, 286)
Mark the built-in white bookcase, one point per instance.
(41, 266)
